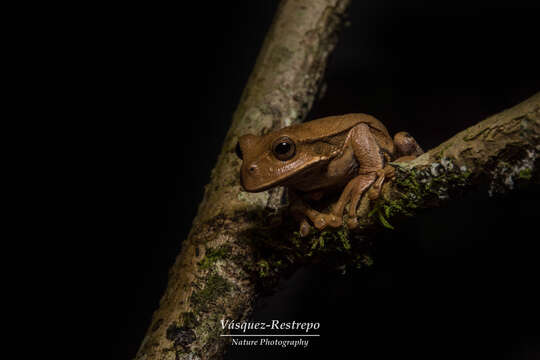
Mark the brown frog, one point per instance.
(348, 152)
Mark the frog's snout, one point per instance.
(248, 177)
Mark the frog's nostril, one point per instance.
(252, 168)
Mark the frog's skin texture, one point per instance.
(348, 152)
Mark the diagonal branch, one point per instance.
(212, 278)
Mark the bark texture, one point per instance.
(215, 275)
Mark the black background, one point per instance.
(455, 282)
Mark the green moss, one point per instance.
(385, 222)
(525, 174)
(270, 265)
(383, 212)
(410, 192)
(213, 255)
(279, 248)
(330, 240)
(344, 239)
(263, 268)
(419, 187)
(215, 287)
(394, 207)
(318, 242)
(326, 246)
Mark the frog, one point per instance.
(348, 154)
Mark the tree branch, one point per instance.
(499, 153)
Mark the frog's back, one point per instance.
(333, 125)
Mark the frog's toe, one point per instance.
(324, 220)
(334, 221)
(320, 222)
(374, 192)
(305, 228)
(352, 223)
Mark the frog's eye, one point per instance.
(284, 148)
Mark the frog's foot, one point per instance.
(406, 146)
(352, 194)
(320, 221)
(323, 220)
(352, 223)
(302, 212)
(388, 172)
(361, 184)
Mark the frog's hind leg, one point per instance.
(406, 147)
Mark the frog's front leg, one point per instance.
(407, 149)
(370, 165)
(300, 210)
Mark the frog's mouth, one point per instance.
(261, 187)
(287, 179)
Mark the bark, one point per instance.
(215, 275)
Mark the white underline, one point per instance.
(269, 335)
